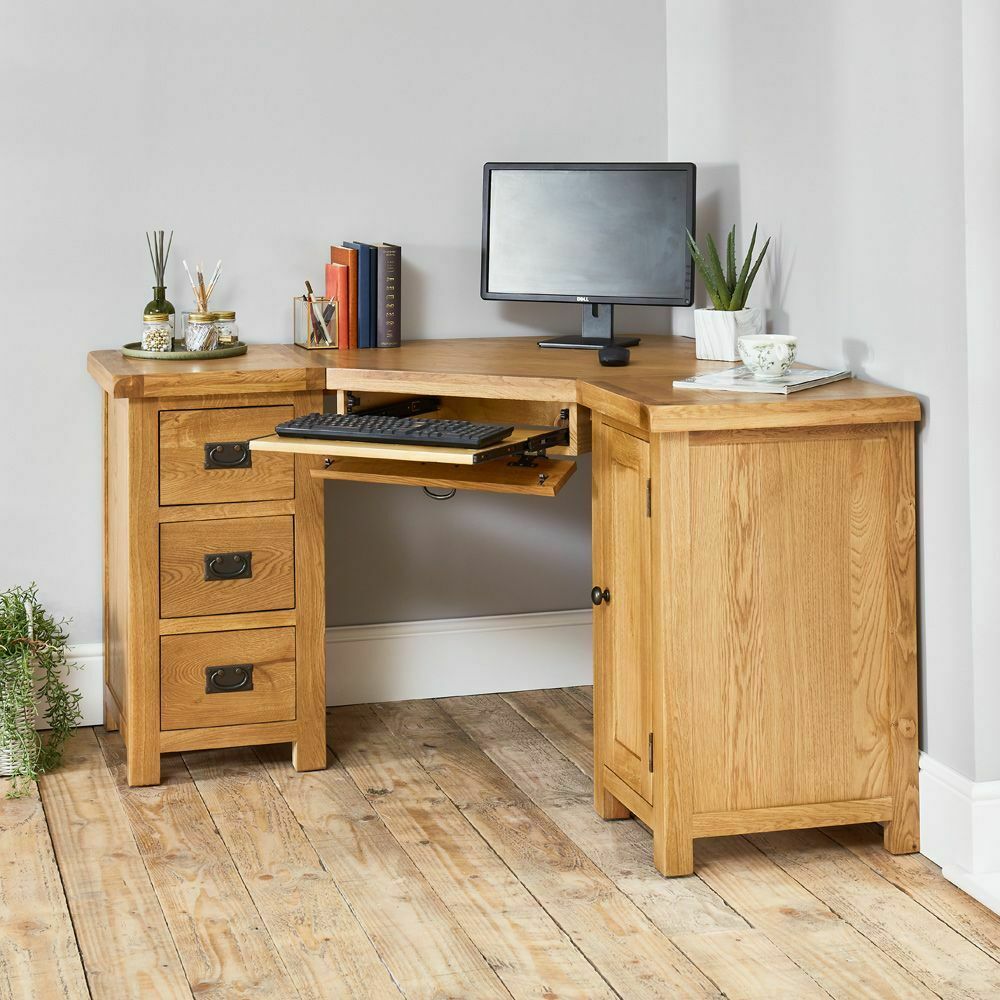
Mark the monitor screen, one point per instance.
(597, 232)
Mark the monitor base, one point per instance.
(598, 331)
(578, 342)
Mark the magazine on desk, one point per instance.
(741, 379)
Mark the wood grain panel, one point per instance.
(184, 704)
(902, 834)
(544, 478)
(791, 817)
(140, 585)
(116, 542)
(38, 955)
(222, 737)
(126, 947)
(789, 588)
(309, 748)
(226, 623)
(216, 511)
(183, 546)
(183, 476)
(621, 558)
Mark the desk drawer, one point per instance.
(205, 458)
(258, 665)
(224, 566)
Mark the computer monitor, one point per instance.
(593, 233)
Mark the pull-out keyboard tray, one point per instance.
(516, 465)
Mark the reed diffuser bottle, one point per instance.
(159, 303)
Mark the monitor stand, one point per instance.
(598, 331)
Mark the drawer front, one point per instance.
(224, 566)
(205, 458)
(256, 665)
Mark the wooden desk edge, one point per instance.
(208, 381)
(627, 404)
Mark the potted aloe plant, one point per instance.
(717, 330)
(33, 665)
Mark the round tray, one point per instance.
(133, 350)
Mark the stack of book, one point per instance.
(365, 278)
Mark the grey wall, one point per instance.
(981, 92)
(261, 132)
(846, 143)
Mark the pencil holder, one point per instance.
(314, 322)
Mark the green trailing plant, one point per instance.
(33, 667)
(727, 289)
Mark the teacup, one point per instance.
(768, 356)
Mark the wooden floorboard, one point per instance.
(39, 959)
(418, 938)
(528, 950)
(941, 958)
(580, 897)
(126, 947)
(744, 886)
(621, 850)
(220, 937)
(321, 943)
(921, 880)
(451, 850)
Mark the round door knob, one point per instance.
(597, 595)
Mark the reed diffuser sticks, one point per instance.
(158, 255)
(202, 292)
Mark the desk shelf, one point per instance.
(545, 478)
(523, 439)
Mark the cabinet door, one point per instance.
(621, 625)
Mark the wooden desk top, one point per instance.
(514, 368)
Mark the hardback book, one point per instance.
(372, 291)
(338, 282)
(348, 256)
(389, 285)
(741, 379)
(366, 291)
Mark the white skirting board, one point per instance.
(960, 829)
(428, 659)
(456, 656)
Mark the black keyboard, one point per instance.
(394, 430)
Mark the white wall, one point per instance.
(261, 132)
(837, 126)
(981, 80)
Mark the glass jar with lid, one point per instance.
(229, 334)
(201, 332)
(157, 332)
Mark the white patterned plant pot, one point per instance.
(717, 332)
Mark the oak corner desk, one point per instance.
(754, 568)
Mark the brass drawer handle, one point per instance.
(235, 677)
(228, 565)
(228, 455)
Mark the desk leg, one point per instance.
(902, 833)
(670, 652)
(309, 748)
